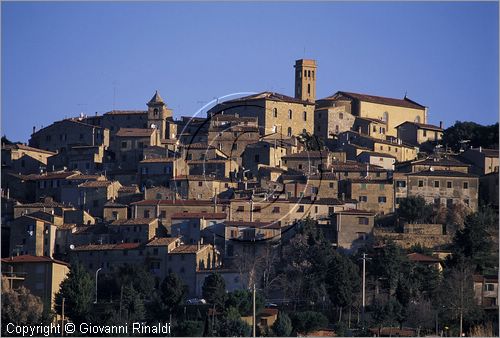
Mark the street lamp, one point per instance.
(96, 274)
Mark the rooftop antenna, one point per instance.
(114, 94)
(406, 92)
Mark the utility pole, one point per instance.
(364, 287)
(62, 318)
(253, 317)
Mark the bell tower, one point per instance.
(158, 114)
(305, 80)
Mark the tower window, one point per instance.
(313, 74)
(275, 112)
(308, 73)
(308, 88)
(156, 111)
(289, 131)
(305, 116)
(305, 73)
(290, 114)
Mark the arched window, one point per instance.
(156, 111)
(417, 119)
(305, 116)
(275, 112)
(305, 73)
(313, 74)
(308, 88)
(290, 114)
(308, 73)
(289, 131)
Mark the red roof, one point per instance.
(31, 259)
(418, 257)
(207, 215)
(134, 132)
(177, 202)
(405, 102)
(99, 247)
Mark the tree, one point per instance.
(132, 305)
(214, 290)
(78, 291)
(414, 209)
(242, 301)
(343, 281)
(172, 292)
(457, 293)
(188, 328)
(282, 327)
(476, 134)
(389, 263)
(474, 241)
(20, 307)
(307, 321)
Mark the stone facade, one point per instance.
(445, 187)
(372, 195)
(329, 122)
(351, 229)
(418, 133)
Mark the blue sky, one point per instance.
(63, 58)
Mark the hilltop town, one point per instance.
(292, 196)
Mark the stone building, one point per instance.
(263, 153)
(220, 168)
(41, 275)
(159, 171)
(136, 230)
(371, 127)
(372, 195)
(305, 79)
(231, 134)
(437, 163)
(164, 209)
(329, 122)
(34, 234)
(351, 229)
(276, 113)
(22, 159)
(401, 151)
(201, 187)
(62, 135)
(129, 145)
(483, 161)
(191, 227)
(309, 162)
(380, 159)
(248, 240)
(418, 133)
(445, 187)
(389, 110)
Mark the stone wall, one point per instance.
(407, 240)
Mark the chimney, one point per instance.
(199, 246)
(34, 129)
(441, 124)
(480, 149)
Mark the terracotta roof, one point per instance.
(356, 212)
(421, 126)
(418, 257)
(101, 247)
(269, 96)
(27, 148)
(394, 332)
(441, 161)
(353, 166)
(319, 201)
(198, 145)
(369, 181)
(267, 225)
(127, 112)
(50, 176)
(66, 226)
(31, 259)
(111, 204)
(405, 102)
(374, 153)
(41, 205)
(188, 249)
(207, 215)
(268, 312)
(95, 184)
(486, 279)
(444, 173)
(487, 152)
(128, 189)
(222, 117)
(308, 154)
(134, 221)
(319, 333)
(163, 241)
(159, 160)
(82, 177)
(175, 202)
(135, 132)
(369, 119)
